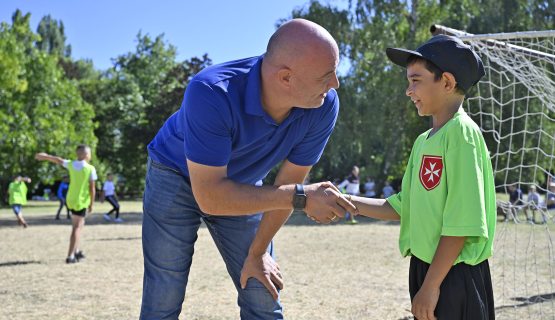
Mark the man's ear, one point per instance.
(284, 76)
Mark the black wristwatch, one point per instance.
(299, 199)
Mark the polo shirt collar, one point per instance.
(253, 101)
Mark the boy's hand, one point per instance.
(424, 303)
(90, 208)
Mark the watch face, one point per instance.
(299, 202)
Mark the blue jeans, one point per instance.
(170, 224)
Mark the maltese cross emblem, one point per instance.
(430, 171)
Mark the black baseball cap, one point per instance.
(449, 54)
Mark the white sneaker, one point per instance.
(107, 217)
(119, 220)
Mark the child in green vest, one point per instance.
(17, 191)
(447, 204)
(80, 196)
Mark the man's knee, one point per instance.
(256, 302)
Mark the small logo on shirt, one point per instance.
(430, 171)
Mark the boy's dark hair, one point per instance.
(81, 147)
(433, 69)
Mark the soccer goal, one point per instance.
(514, 105)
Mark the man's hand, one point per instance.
(264, 269)
(90, 210)
(325, 203)
(424, 303)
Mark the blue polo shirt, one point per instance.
(221, 122)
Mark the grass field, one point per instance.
(331, 272)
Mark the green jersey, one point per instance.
(448, 190)
(18, 193)
(78, 195)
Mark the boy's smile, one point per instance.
(423, 90)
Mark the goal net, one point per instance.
(514, 105)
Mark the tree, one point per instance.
(40, 110)
(143, 89)
(377, 124)
(52, 37)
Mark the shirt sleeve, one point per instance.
(310, 149)
(343, 184)
(207, 125)
(465, 207)
(94, 177)
(66, 163)
(396, 200)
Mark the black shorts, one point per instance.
(80, 213)
(465, 294)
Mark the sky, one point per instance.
(101, 30)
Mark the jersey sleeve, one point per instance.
(66, 163)
(396, 200)
(207, 125)
(93, 177)
(465, 207)
(310, 149)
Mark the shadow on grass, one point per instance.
(527, 301)
(18, 263)
(133, 218)
(117, 239)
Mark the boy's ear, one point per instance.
(450, 83)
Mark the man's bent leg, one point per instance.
(233, 237)
(170, 224)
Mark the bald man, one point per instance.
(237, 121)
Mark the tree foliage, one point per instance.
(377, 124)
(51, 102)
(40, 109)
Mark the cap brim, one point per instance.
(400, 56)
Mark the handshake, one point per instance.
(325, 203)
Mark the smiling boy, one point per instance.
(447, 203)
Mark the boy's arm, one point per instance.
(374, 208)
(425, 301)
(42, 156)
(92, 191)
